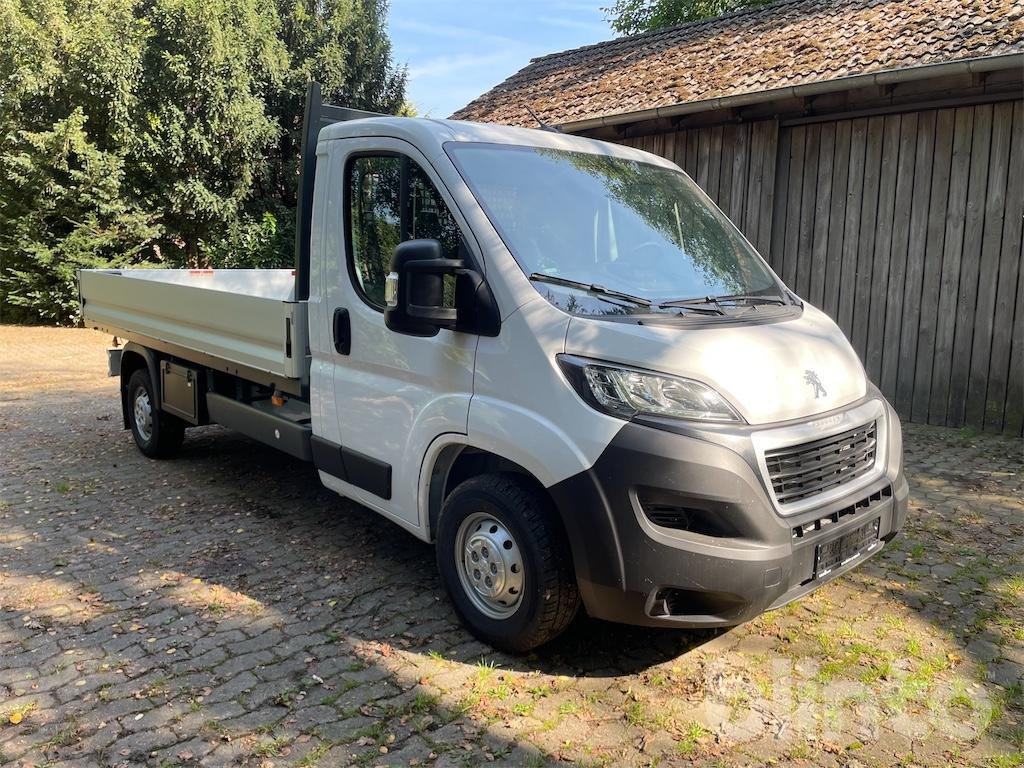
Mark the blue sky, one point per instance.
(457, 49)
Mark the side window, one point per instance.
(391, 200)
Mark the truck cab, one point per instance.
(551, 356)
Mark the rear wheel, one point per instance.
(157, 434)
(505, 562)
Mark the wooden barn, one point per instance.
(872, 150)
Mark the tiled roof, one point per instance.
(788, 43)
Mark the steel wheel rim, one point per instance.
(490, 565)
(143, 411)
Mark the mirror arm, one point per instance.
(435, 265)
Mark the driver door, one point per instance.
(393, 394)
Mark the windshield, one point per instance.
(609, 223)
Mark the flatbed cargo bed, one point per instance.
(245, 321)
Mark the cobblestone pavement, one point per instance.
(224, 609)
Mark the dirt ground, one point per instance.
(222, 608)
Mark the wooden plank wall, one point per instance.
(734, 164)
(905, 228)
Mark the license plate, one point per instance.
(851, 545)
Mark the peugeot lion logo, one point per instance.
(812, 378)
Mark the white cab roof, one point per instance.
(428, 134)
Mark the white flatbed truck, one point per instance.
(552, 356)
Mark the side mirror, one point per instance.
(418, 293)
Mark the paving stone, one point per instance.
(140, 744)
(250, 578)
(983, 650)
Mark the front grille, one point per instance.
(868, 503)
(799, 472)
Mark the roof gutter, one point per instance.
(883, 77)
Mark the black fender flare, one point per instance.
(152, 364)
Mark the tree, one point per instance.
(203, 131)
(628, 17)
(341, 44)
(67, 85)
(164, 132)
(63, 210)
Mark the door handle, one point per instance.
(342, 332)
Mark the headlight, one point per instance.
(628, 392)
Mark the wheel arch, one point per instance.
(579, 503)
(133, 357)
(456, 462)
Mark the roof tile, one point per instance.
(791, 42)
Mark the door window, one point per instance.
(391, 200)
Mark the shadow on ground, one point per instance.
(224, 609)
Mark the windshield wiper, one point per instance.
(540, 277)
(738, 298)
(694, 305)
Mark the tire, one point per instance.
(160, 436)
(532, 603)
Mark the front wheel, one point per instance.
(157, 434)
(505, 562)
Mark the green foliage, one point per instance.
(62, 209)
(629, 17)
(203, 130)
(164, 132)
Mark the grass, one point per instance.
(501, 691)
(157, 688)
(1014, 586)
(18, 713)
(1013, 760)
(693, 734)
(876, 670)
(64, 737)
(271, 748)
(1016, 737)
(861, 661)
(373, 731)
(214, 727)
(799, 751)
(548, 724)
(636, 714)
(523, 708)
(484, 670)
(423, 702)
(314, 757)
(961, 700)
(469, 702)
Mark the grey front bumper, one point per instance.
(739, 556)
